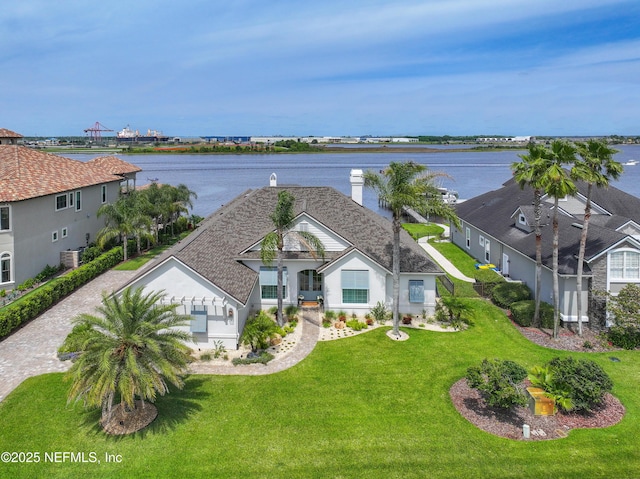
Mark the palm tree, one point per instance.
(558, 184)
(596, 166)
(176, 200)
(118, 224)
(402, 185)
(272, 245)
(529, 172)
(131, 350)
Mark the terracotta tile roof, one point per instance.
(114, 165)
(26, 173)
(4, 133)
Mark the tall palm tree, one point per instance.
(176, 200)
(402, 185)
(596, 166)
(557, 184)
(272, 246)
(131, 350)
(529, 172)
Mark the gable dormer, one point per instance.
(524, 218)
(630, 228)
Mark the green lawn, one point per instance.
(359, 407)
(418, 230)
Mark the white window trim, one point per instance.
(481, 240)
(65, 232)
(66, 199)
(78, 200)
(5, 255)
(624, 279)
(9, 210)
(54, 236)
(468, 238)
(522, 219)
(103, 194)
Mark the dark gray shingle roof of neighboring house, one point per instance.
(492, 213)
(222, 238)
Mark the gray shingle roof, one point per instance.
(223, 237)
(491, 212)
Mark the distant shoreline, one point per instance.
(322, 149)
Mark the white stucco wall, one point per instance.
(183, 287)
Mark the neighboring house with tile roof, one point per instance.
(498, 228)
(48, 205)
(216, 275)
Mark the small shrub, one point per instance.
(626, 337)
(258, 331)
(218, 349)
(500, 381)
(356, 325)
(504, 294)
(523, 311)
(330, 315)
(291, 311)
(342, 316)
(205, 357)
(379, 312)
(263, 358)
(586, 381)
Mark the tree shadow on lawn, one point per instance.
(174, 408)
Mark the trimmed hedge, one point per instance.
(505, 294)
(26, 309)
(522, 313)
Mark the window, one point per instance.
(269, 282)
(198, 318)
(5, 222)
(103, 192)
(61, 202)
(468, 236)
(487, 251)
(522, 220)
(54, 236)
(78, 200)
(5, 268)
(416, 291)
(355, 286)
(481, 240)
(70, 200)
(624, 265)
(64, 232)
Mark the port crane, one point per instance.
(96, 130)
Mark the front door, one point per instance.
(309, 284)
(505, 265)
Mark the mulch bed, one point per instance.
(508, 423)
(127, 422)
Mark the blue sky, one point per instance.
(282, 67)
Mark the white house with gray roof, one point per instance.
(498, 228)
(216, 276)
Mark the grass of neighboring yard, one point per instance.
(138, 261)
(419, 230)
(364, 406)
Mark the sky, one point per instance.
(339, 68)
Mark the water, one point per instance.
(218, 179)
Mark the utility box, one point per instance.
(539, 404)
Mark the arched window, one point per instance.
(5, 268)
(624, 265)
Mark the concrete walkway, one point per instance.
(442, 261)
(31, 350)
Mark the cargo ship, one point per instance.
(127, 135)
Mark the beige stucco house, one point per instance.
(48, 205)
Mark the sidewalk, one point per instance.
(442, 261)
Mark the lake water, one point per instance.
(218, 179)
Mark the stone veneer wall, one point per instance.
(597, 304)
